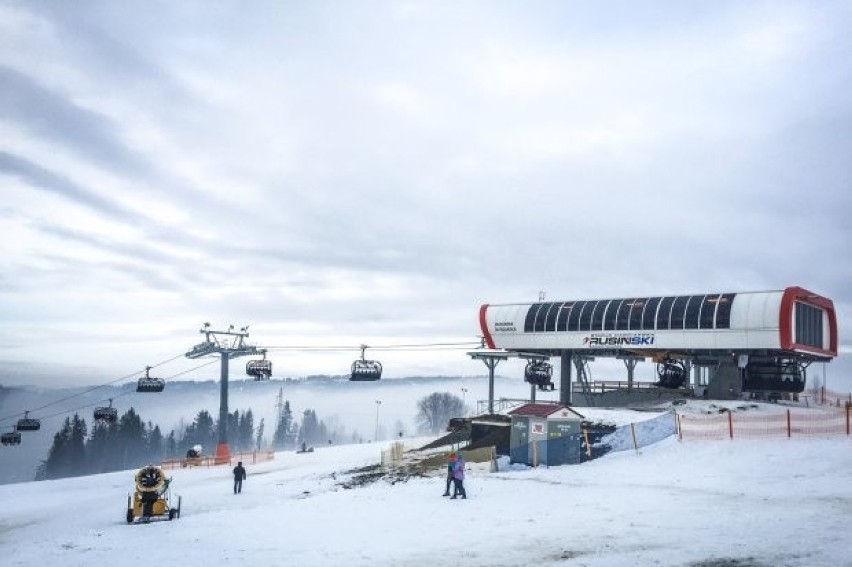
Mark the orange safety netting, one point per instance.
(792, 423)
(210, 461)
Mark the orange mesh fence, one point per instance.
(249, 458)
(693, 426)
(792, 423)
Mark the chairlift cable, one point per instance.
(318, 348)
(62, 412)
(414, 346)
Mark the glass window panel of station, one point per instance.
(817, 314)
(562, 318)
(623, 313)
(808, 325)
(664, 312)
(634, 320)
(693, 309)
(649, 314)
(550, 321)
(611, 312)
(678, 312)
(598, 315)
(529, 322)
(723, 311)
(574, 318)
(542, 317)
(818, 341)
(586, 315)
(800, 324)
(708, 310)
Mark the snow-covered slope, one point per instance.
(784, 502)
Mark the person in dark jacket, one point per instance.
(239, 477)
(451, 464)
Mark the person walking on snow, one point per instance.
(239, 477)
(458, 478)
(451, 465)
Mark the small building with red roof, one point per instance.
(545, 434)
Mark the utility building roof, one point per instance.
(544, 410)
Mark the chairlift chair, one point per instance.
(774, 375)
(260, 369)
(539, 373)
(365, 370)
(149, 384)
(27, 423)
(106, 414)
(10, 438)
(672, 373)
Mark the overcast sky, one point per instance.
(338, 173)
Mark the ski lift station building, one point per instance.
(718, 345)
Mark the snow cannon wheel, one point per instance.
(129, 510)
(172, 513)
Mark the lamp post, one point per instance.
(378, 404)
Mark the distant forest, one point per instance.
(130, 442)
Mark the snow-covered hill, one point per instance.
(784, 502)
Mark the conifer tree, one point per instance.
(246, 430)
(132, 440)
(101, 448)
(56, 465)
(284, 436)
(313, 430)
(154, 443)
(77, 446)
(171, 445)
(259, 441)
(199, 432)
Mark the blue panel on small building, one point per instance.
(519, 447)
(564, 443)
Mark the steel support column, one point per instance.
(565, 388)
(630, 362)
(492, 364)
(223, 450)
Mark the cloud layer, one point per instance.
(342, 173)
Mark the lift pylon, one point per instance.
(227, 344)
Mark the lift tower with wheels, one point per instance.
(227, 344)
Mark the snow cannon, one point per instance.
(193, 457)
(150, 500)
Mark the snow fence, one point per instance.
(637, 435)
(759, 425)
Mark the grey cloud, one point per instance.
(52, 115)
(139, 251)
(88, 273)
(411, 165)
(40, 178)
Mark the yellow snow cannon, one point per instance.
(150, 500)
